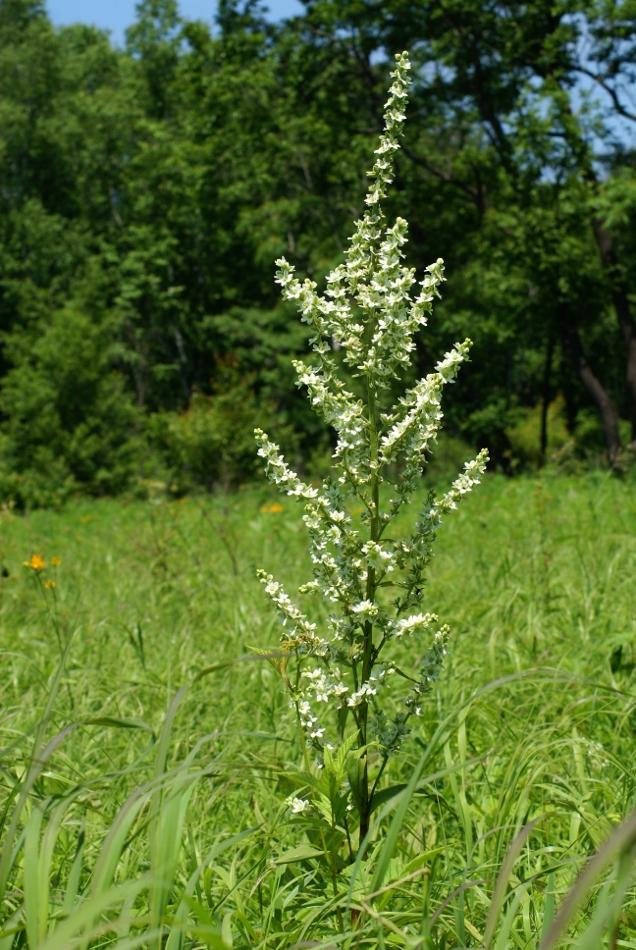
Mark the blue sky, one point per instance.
(116, 15)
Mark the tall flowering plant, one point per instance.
(368, 308)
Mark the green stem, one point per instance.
(367, 648)
(377, 779)
(334, 870)
(330, 854)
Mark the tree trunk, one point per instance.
(545, 404)
(626, 323)
(574, 348)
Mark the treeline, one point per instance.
(146, 192)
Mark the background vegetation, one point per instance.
(145, 192)
(533, 719)
(147, 749)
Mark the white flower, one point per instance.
(324, 686)
(379, 557)
(365, 610)
(414, 624)
(298, 805)
(368, 689)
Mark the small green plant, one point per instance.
(211, 444)
(369, 311)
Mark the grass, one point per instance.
(148, 752)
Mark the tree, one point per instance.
(501, 127)
(68, 424)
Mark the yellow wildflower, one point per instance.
(55, 561)
(37, 563)
(275, 508)
(49, 585)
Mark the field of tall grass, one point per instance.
(148, 749)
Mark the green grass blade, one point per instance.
(72, 884)
(622, 839)
(501, 883)
(33, 897)
(35, 769)
(509, 919)
(395, 827)
(85, 921)
(548, 910)
(175, 938)
(169, 832)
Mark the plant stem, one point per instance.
(377, 778)
(367, 650)
(334, 869)
(330, 854)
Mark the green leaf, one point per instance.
(501, 884)
(548, 909)
(423, 859)
(354, 775)
(226, 930)
(303, 852)
(385, 795)
(396, 826)
(323, 804)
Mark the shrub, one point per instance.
(68, 422)
(211, 443)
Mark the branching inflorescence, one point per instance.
(369, 310)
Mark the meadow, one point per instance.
(148, 751)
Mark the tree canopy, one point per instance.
(145, 193)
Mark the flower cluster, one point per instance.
(37, 565)
(300, 635)
(297, 805)
(388, 734)
(370, 687)
(366, 319)
(430, 669)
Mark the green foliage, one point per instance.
(143, 195)
(68, 423)
(211, 443)
(153, 186)
(450, 454)
(521, 768)
(525, 435)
